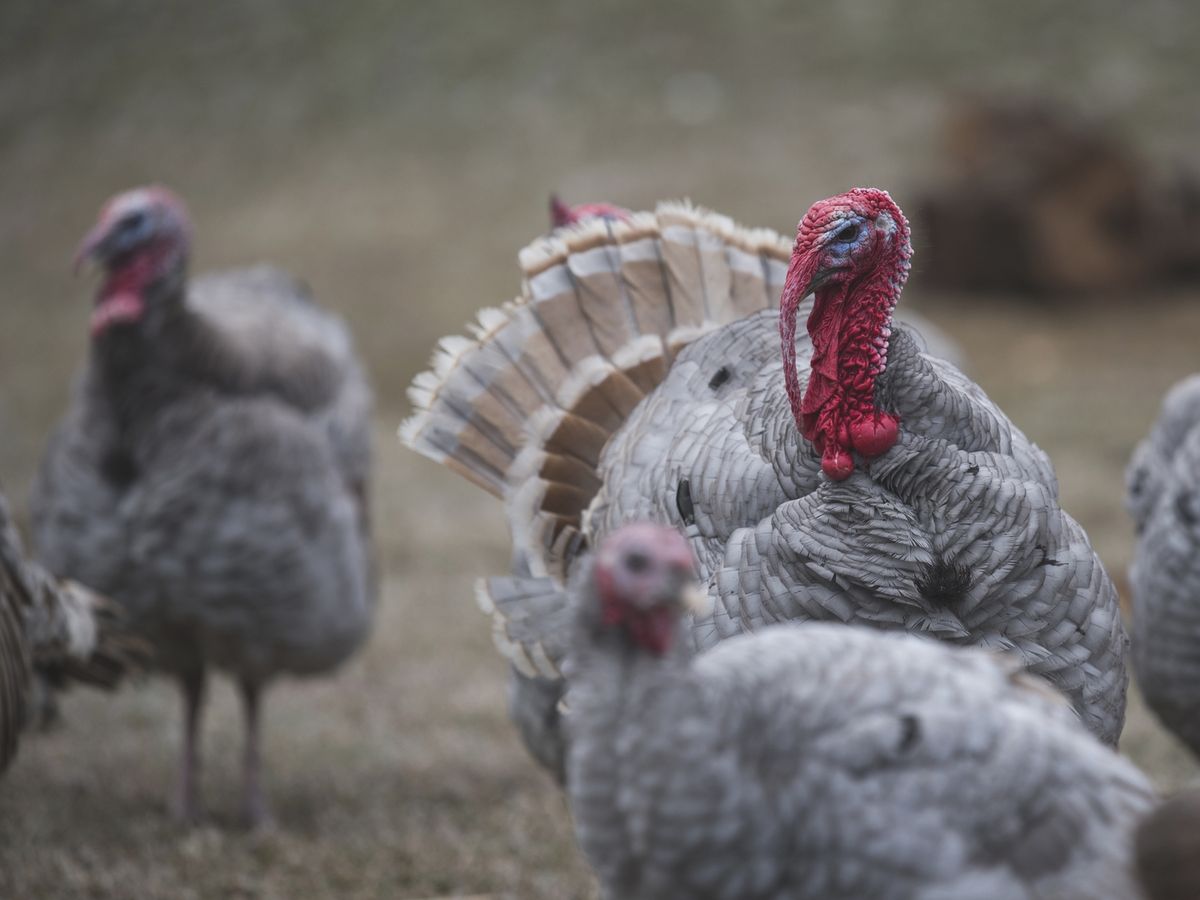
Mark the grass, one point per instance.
(397, 155)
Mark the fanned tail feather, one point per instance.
(529, 621)
(79, 636)
(524, 406)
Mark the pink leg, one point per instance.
(185, 805)
(254, 802)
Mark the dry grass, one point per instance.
(397, 155)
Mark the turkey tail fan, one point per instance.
(530, 621)
(67, 631)
(14, 676)
(79, 636)
(524, 406)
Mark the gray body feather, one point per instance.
(829, 762)
(1149, 470)
(956, 532)
(1164, 497)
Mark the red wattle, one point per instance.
(837, 464)
(123, 306)
(654, 629)
(875, 434)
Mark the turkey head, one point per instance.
(141, 240)
(563, 214)
(645, 579)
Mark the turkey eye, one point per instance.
(637, 562)
(847, 234)
(133, 222)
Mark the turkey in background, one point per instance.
(1163, 496)
(212, 471)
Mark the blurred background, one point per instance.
(396, 156)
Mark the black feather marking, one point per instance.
(1046, 559)
(683, 502)
(910, 733)
(945, 583)
(721, 376)
(972, 470)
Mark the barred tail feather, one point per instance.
(525, 405)
(82, 637)
(530, 621)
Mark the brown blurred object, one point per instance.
(1168, 849)
(1035, 197)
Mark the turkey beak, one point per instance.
(91, 246)
(820, 277)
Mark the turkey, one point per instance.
(639, 376)
(563, 215)
(58, 630)
(1168, 849)
(817, 760)
(1150, 467)
(1164, 498)
(212, 472)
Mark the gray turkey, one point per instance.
(822, 761)
(1150, 468)
(639, 376)
(58, 630)
(212, 471)
(1164, 498)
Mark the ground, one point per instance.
(397, 156)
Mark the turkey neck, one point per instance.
(608, 674)
(146, 366)
(850, 325)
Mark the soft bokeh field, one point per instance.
(397, 155)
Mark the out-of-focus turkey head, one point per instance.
(140, 239)
(645, 578)
(562, 214)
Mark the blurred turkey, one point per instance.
(640, 377)
(57, 630)
(1151, 467)
(822, 761)
(563, 215)
(1164, 497)
(1168, 849)
(1033, 196)
(212, 471)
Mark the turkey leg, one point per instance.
(185, 805)
(254, 802)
